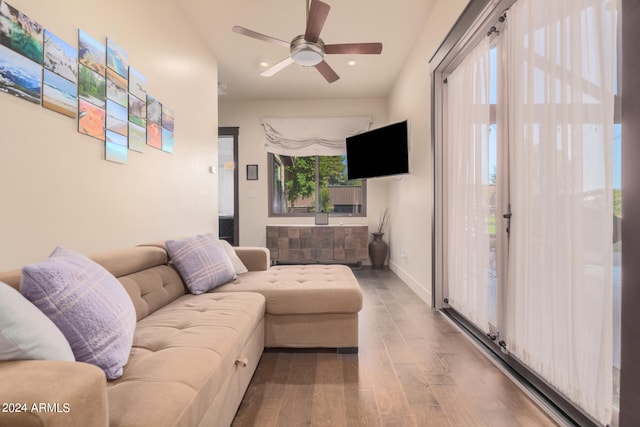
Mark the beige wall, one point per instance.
(411, 198)
(55, 187)
(253, 195)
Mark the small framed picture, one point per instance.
(252, 172)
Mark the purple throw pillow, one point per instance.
(201, 261)
(88, 304)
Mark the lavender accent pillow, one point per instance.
(89, 306)
(201, 261)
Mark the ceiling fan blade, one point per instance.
(245, 32)
(327, 72)
(318, 12)
(278, 67)
(354, 48)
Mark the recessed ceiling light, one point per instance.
(264, 64)
(352, 62)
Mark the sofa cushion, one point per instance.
(121, 262)
(26, 333)
(181, 356)
(304, 289)
(153, 288)
(201, 261)
(87, 304)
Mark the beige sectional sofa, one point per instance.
(192, 356)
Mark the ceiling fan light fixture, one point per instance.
(307, 58)
(307, 53)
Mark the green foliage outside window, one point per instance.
(301, 179)
(617, 202)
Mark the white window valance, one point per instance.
(312, 136)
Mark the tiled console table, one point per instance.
(318, 243)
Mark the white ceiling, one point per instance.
(395, 23)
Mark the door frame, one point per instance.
(234, 132)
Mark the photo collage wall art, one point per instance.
(93, 83)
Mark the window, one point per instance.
(302, 186)
(308, 168)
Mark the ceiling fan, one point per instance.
(308, 49)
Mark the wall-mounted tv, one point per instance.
(379, 152)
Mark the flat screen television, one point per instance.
(379, 152)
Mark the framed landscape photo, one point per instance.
(137, 111)
(91, 119)
(115, 147)
(117, 58)
(117, 120)
(137, 84)
(60, 57)
(167, 118)
(167, 129)
(59, 94)
(91, 53)
(20, 33)
(20, 76)
(91, 86)
(137, 137)
(154, 135)
(154, 110)
(167, 140)
(117, 88)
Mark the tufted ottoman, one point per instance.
(306, 305)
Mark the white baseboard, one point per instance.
(411, 282)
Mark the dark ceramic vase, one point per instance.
(377, 250)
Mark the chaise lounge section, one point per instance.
(306, 305)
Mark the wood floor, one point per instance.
(413, 369)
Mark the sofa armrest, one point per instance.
(52, 394)
(254, 258)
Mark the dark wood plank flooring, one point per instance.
(413, 369)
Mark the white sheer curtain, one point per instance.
(561, 64)
(466, 182)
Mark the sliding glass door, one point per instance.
(470, 193)
(561, 114)
(527, 193)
